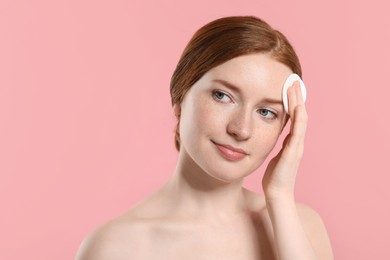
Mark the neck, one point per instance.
(198, 194)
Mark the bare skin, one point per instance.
(203, 212)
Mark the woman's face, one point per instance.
(236, 104)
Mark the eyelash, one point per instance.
(274, 115)
(217, 92)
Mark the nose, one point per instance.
(240, 125)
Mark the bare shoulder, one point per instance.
(315, 230)
(114, 240)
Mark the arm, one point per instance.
(298, 231)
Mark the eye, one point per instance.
(220, 96)
(267, 113)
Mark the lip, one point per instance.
(230, 152)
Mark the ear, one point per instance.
(177, 110)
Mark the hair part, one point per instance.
(222, 40)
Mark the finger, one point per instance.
(299, 126)
(293, 145)
(300, 119)
(292, 100)
(299, 96)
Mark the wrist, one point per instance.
(281, 205)
(280, 196)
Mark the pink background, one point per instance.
(86, 127)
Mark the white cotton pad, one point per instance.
(288, 83)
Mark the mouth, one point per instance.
(230, 152)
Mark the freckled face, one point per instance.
(236, 104)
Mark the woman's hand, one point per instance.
(279, 178)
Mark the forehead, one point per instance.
(257, 74)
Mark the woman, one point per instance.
(226, 95)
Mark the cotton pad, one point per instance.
(288, 83)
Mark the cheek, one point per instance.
(196, 119)
(266, 139)
(207, 117)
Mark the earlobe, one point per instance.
(177, 110)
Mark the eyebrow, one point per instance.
(228, 85)
(238, 90)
